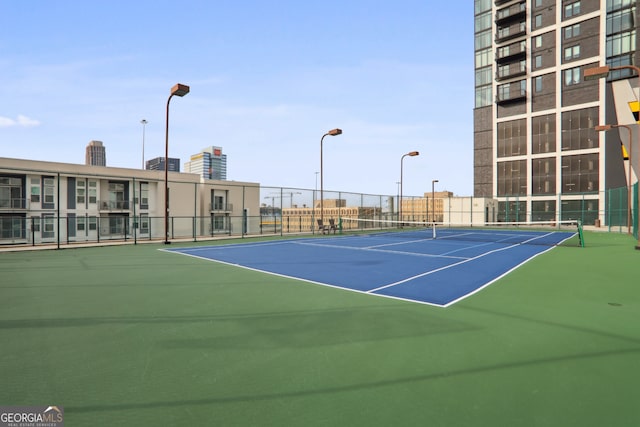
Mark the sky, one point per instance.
(267, 80)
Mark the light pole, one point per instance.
(602, 72)
(177, 90)
(433, 201)
(411, 154)
(144, 123)
(604, 128)
(332, 132)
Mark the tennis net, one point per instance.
(547, 233)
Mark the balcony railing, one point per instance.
(511, 13)
(13, 204)
(221, 207)
(111, 205)
(512, 52)
(511, 32)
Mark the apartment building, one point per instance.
(43, 202)
(536, 146)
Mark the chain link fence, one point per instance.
(288, 210)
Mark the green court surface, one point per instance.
(133, 336)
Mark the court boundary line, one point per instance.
(173, 251)
(372, 291)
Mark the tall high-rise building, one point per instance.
(536, 149)
(210, 163)
(157, 164)
(95, 154)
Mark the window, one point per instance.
(538, 3)
(482, 5)
(580, 173)
(93, 223)
(11, 192)
(571, 52)
(572, 76)
(35, 190)
(218, 203)
(537, 83)
(538, 61)
(483, 40)
(618, 4)
(93, 196)
(543, 210)
(543, 176)
(572, 9)
(585, 210)
(35, 224)
(483, 96)
(543, 134)
(512, 211)
(512, 138)
(48, 189)
(483, 76)
(12, 227)
(81, 223)
(620, 21)
(619, 44)
(144, 195)
(144, 223)
(538, 21)
(117, 195)
(483, 22)
(48, 226)
(484, 58)
(538, 41)
(571, 31)
(512, 178)
(80, 191)
(577, 129)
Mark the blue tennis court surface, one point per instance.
(438, 271)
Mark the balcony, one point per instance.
(511, 32)
(512, 13)
(511, 92)
(117, 205)
(13, 204)
(221, 207)
(509, 71)
(501, 2)
(513, 52)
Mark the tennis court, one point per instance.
(130, 335)
(415, 265)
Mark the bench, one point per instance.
(323, 228)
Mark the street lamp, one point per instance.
(604, 128)
(144, 123)
(601, 72)
(411, 154)
(433, 206)
(332, 132)
(433, 201)
(177, 90)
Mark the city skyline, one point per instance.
(266, 83)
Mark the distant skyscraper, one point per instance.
(96, 155)
(157, 164)
(210, 164)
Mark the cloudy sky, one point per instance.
(267, 79)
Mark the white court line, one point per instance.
(373, 249)
(441, 268)
(344, 288)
